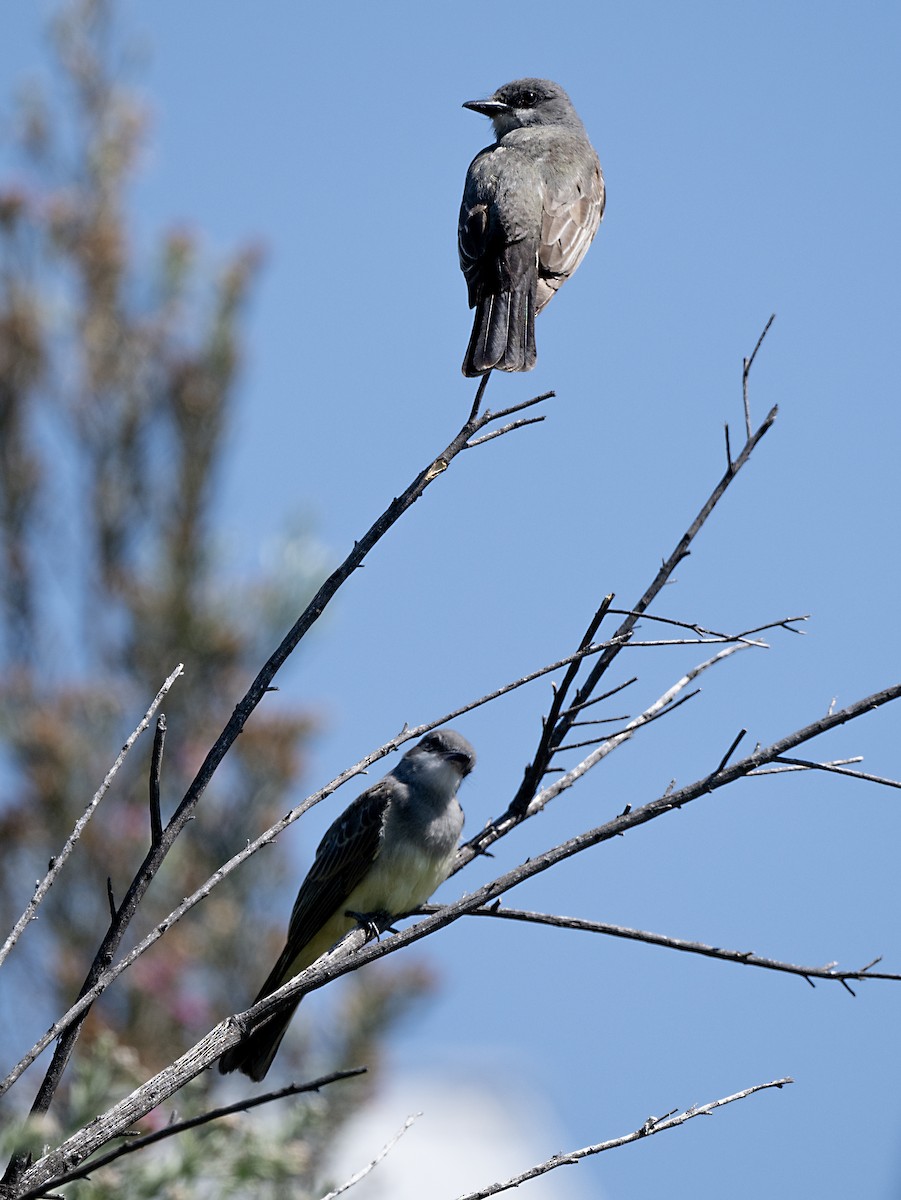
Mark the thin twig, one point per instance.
(666, 570)
(537, 768)
(664, 712)
(56, 863)
(508, 428)
(603, 720)
(385, 1150)
(488, 416)
(480, 392)
(746, 371)
(507, 821)
(87, 1169)
(574, 708)
(652, 1125)
(784, 623)
(836, 768)
(741, 733)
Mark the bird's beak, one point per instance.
(488, 108)
(462, 759)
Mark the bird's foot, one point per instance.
(375, 923)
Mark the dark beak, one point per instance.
(463, 760)
(488, 108)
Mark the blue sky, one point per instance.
(750, 153)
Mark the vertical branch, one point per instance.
(681, 551)
(156, 762)
(747, 363)
(535, 771)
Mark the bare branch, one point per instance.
(664, 712)
(520, 406)
(837, 767)
(486, 437)
(86, 1170)
(156, 763)
(746, 371)
(383, 1153)
(537, 768)
(56, 863)
(682, 549)
(745, 957)
(508, 820)
(480, 392)
(733, 747)
(652, 1125)
(351, 953)
(185, 810)
(785, 623)
(575, 708)
(90, 994)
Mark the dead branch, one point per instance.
(385, 1150)
(185, 810)
(651, 1125)
(58, 861)
(351, 953)
(557, 723)
(508, 820)
(746, 958)
(837, 767)
(87, 1170)
(746, 373)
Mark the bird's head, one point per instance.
(442, 754)
(525, 102)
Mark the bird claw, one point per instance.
(373, 923)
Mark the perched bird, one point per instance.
(531, 205)
(384, 855)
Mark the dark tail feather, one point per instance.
(503, 333)
(254, 1053)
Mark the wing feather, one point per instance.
(345, 854)
(570, 220)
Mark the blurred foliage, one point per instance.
(116, 389)
(278, 1151)
(117, 383)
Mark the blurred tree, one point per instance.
(117, 383)
(116, 389)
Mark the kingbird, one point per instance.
(383, 856)
(531, 205)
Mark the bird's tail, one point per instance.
(503, 331)
(254, 1053)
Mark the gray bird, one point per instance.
(531, 205)
(383, 856)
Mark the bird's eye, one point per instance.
(527, 99)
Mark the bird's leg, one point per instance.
(375, 923)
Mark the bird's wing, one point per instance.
(570, 221)
(345, 854)
(480, 238)
(495, 239)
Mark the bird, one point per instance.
(383, 856)
(531, 206)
